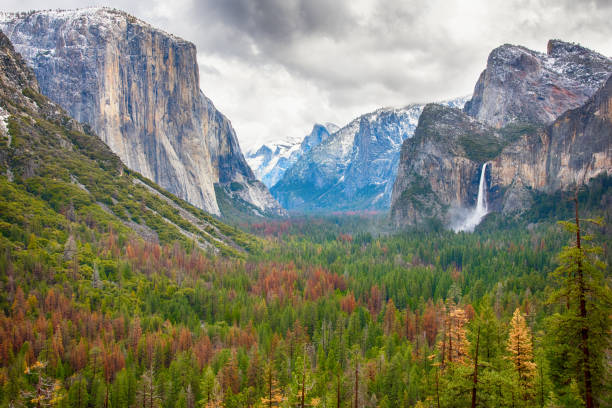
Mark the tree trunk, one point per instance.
(79, 393)
(475, 383)
(444, 340)
(356, 384)
(338, 393)
(584, 332)
(438, 386)
(303, 383)
(450, 340)
(541, 386)
(270, 387)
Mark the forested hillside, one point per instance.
(320, 315)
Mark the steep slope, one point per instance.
(271, 162)
(572, 150)
(440, 167)
(60, 181)
(354, 168)
(138, 88)
(521, 85)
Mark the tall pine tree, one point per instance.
(581, 328)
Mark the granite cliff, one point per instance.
(522, 85)
(138, 88)
(539, 129)
(61, 181)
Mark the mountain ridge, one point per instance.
(522, 85)
(56, 173)
(439, 170)
(355, 167)
(271, 162)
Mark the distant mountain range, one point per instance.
(270, 161)
(541, 122)
(352, 168)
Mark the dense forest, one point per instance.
(325, 312)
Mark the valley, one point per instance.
(451, 254)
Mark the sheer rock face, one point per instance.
(573, 149)
(440, 167)
(437, 167)
(138, 88)
(521, 85)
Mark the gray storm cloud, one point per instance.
(276, 66)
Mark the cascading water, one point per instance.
(478, 213)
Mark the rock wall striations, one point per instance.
(542, 122)
(138, 88)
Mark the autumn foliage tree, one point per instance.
(521, 354)
(273, 396)
(47, 392)
(454, 344)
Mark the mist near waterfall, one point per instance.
(467, 220)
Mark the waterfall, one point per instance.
(477, 214)
(481, 203)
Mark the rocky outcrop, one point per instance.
(439, 168)
(138, 88)
(541, 121)
(521, 85)
(355, 167)
(317, 135)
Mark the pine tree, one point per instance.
(77, 394)
(521, 355)
(458, 343)
(207, 388)
(302, 382)
(230, 377)
(581, 329)
(454, 344)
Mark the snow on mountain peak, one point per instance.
(355, 167)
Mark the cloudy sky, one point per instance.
(275, 67)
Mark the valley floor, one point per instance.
(329, 312)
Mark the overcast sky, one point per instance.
(275, 67)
